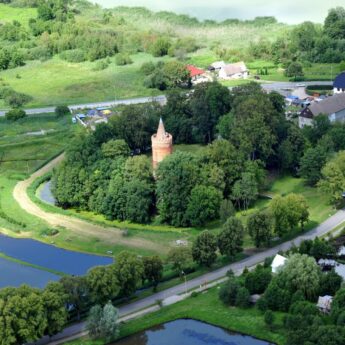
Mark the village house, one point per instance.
(216, 66)
(324, 303)
(197, 75)
(333, 107)
(236, 70)
(339, 83)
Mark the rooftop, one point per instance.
(329, 105)
(339, 81)
(194, 71)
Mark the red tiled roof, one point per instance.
(194, 71)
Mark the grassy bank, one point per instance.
(247, 321)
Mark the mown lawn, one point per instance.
(208, 308)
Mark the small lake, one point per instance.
(14, 274)
(188, 332)
(49, 256)
(45, 193)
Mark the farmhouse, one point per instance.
(197, 75)
(339, 83)
(333, 107)
(233, 71)
(216, 66)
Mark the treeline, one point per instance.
(294, 290)
(308, 42)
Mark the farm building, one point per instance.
(197, 75)
(234, 71)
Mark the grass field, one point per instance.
(57, 81)
(22, 15)
(247, 321)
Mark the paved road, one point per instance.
(281, 87)
(161, 99)
(320, 230)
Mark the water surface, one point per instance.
(14, 274)
(188, 332)
(45, 193)
(51, 257)
(287, 11)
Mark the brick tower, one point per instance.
(162, 145)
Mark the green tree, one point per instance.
(93, 321)
(330, 283)
(102, 284)
(245, 190)
(153, 270)
(129, 270)
(242, 298)
(109, 326)
(294, 69)
(227, 210)
(177, 175)
(203, 205)
(175, 74)
(62, 110)
(180, 258)
(77, 293)
(260, 226)
(204, 249)
(15, 114)
(338, 304)
(230, 239)
(333, 178)
(302, 273)
(335, 23)
(160, 47)
(257, 280)
(54, 299)
(228, 291)
(115, 148)
(311, 164)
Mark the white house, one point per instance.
(324, 303)
(278, 263)
(236, 70)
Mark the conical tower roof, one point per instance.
(161, 133)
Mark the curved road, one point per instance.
(77, 226)
(281, 87)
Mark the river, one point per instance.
(189, 332)
(286, 11)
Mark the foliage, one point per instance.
(228, 291)
(257, 280)
(123, 59)
(260, 226)
(204, 248)
(62, 110)
(230, 239)
(153, 270)
(180, 258)
(227, 210)
(15, 114)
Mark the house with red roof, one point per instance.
(197, 75)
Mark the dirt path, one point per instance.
(106, 234)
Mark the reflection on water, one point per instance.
(188, 332)
(14, 274)
(51, 257)
(46, 194)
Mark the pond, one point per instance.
(45, 193)
(49, 256)
(15, 274)
(188, 332)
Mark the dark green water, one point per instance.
(188, 332)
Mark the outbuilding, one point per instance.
(339, 83)
(278, 263)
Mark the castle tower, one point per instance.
(162, 145)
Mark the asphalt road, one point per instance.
(281, 87)
(320, 230)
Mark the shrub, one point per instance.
(74, 55)
(147, 68)
(123, 59)
(15, 114)
(101, 65)
(13, 98)
(242, 298)
(228, 292)
(62, 110)
(269, 318)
